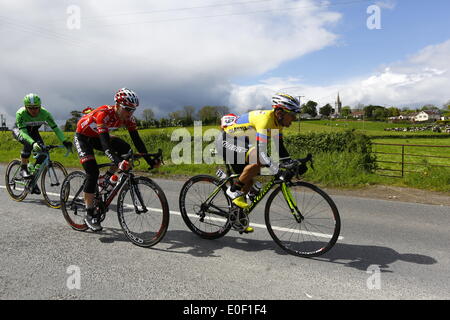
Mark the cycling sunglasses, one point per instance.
(128, 109)
(33, 107)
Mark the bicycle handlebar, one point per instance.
(51, 147)
(134, 156)
(296, 167)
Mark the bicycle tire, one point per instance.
(191, 214)
(147, 237)
(56, 204)
(11, 185)
(74, 209)
(284, 228)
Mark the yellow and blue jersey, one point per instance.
(257, 125)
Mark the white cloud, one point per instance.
(170, 57)
(420, 79)
(387, 4)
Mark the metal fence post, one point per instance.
(403, 159)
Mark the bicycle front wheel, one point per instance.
(302, 219)
(15, 184)
(72, 200)
(143, 212)
(205, 213)
(51, 182)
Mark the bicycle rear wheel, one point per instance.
(72, 200)
(208, 219)
(143, 212)
(51, 181)
(316, 233)
(15, 184)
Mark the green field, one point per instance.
(334, 170)
(370, 128)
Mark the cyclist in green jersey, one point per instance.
(29, 119)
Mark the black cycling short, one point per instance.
(233, 150)
(33, 132)
(85, 148)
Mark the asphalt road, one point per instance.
(389, 250)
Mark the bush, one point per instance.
(332, 143)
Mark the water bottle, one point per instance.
(112, 182)
(101, 184)
(31, 167)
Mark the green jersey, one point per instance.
(24, 121)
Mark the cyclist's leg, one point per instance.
(234, 152)
(251, 170)
(34, 133)
(85, 152)
(24, 154)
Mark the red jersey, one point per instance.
(103, 119)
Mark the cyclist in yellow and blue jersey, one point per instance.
(244, 143)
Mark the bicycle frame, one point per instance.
(41, 169)
(259, 196)
(124, 178)
(262, 193)
(29, 184)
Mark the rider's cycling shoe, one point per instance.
(249, 230)
(93, 222)
(238, 198)
(25, 174)
(36, 190)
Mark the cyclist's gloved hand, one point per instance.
(154, 163)
(124, 165)
(38, 146)
(68, 145)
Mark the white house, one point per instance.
(427, 115)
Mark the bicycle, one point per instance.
(52, 172)
(141, 203)
(300, 217)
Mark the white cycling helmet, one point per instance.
(286, 102)
(127, 97)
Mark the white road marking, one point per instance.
(255, 225)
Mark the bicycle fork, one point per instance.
(136, 197)
(291, 203)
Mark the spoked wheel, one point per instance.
(204, 214)
(51, 182)
(72, 200)
(143, 212)
(15, 184)
(302, 219)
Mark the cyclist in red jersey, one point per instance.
(93, 133)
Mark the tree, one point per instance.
(148, 114)
(346, 111)
(380, 113)
(188, 113)
(370, 109)
(393, 112)
(310, 108)
(326, 110)
(175, 115)
(209, 114)
(429, 107)
(71, 123)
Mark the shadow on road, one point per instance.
(362, 256)
(359, 257)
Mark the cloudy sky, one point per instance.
(223, 52)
